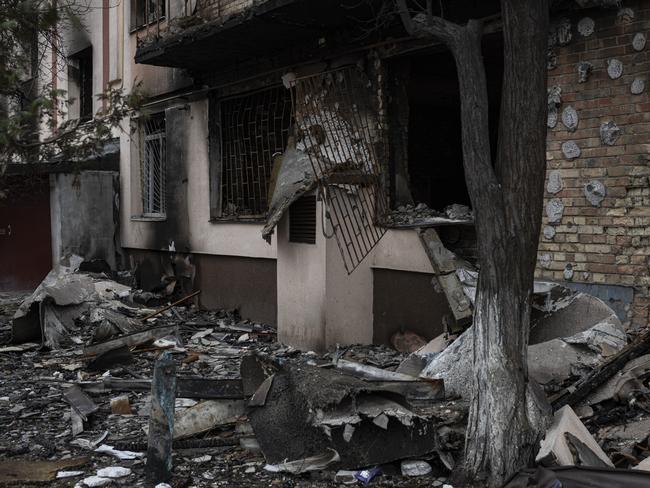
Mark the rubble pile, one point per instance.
(77, 409)
(99, 389)
(421, 215)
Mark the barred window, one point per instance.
(247, 132)
(152, 167)
(144, 12)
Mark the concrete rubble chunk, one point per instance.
(555, 449)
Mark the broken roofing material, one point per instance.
(49, 313)
(366, 415)
(295, 177)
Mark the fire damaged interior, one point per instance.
(426, 159)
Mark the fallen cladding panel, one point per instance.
(308, 410)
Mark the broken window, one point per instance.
(144, 12)
(247, 132)
(426, 140)
(302, 220)
(80, 85)
(152, 164)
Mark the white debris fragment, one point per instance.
(69, 474)
(93, 481)
(162, 485)
(114, 472)
(86, 444)
(124, 455)
(202, 333)
(415, 468)
(202, 459)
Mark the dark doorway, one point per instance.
(25, 235)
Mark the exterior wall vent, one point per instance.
(302, 220)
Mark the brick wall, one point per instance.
(606, 242)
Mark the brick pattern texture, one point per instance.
(607, 243)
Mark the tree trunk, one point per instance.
(503, 426)
(505, 419)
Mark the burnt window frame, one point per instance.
(152, 130)
(218, 125)
(80, 68)
(141, 17)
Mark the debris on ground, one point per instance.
(79, 388)
(421, 215)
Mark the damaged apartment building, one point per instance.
(301, 161)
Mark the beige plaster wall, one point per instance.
(301, 274)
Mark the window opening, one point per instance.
(153, 166)
(80, 84)
(144, 12)
(254, 130)
(427, 174)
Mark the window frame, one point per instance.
(217, 163)
(146, 21)
(148, 166)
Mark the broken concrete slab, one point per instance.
(556, 451)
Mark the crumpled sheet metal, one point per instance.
(555, 360)
(295, 178)
(49, 313)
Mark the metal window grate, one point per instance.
(254, 128)
(152, 169)
(334, 118)
(302, 220)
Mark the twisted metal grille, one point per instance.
(254, 129)
(152, 165)
(334, 118)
